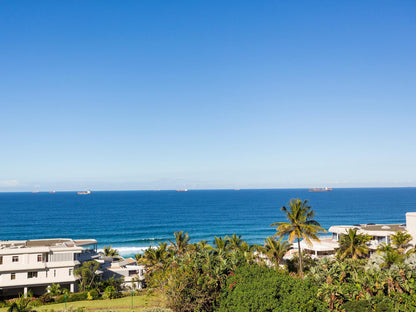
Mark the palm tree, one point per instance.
(220, 245)
(353, 245)
(110, 252)
(275, 249)
(155, 258)
(181, 242)
(235, 242)
(401, 240)
(300, 225)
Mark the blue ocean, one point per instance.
(133, 220)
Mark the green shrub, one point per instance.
(93, 294)
(74, 297)
(357, 306)
(262, 289)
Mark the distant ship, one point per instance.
(183, 190)
(84, 192)
(52, 192)
(321, 189)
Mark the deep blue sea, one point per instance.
(131, 220)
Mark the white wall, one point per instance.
(411, 225)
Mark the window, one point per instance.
(12, 276)
(46, 273)
(32, 274)
(70, 272)
(1, 259)
(39, 258)
(54, 273)
(15, 259)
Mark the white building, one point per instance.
(36, 264)
(126, 269)
(380, 233)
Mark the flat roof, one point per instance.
(52, 242)
(374, 229)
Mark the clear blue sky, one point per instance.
(207, 94)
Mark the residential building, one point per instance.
(128, 270)
(36, 264)
(380, 233)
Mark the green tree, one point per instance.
(275, 250)
(110, 252)
(353, 245)
(194, 281)
(401, 240)
(87, 274)
(301, 225)
(181, 242)
(235, 242)
(220, 246)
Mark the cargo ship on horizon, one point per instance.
(321, 189)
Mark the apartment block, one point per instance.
(36, 264)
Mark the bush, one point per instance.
(78, 296)
(262, 289)
(93, 294)
(357, 306)
(72, 297)
(156, 309)
(45, 298)
(110, 292)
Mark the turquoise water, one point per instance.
(131, 220)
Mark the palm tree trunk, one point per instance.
(300, 259)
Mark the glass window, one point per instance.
(32, 274)
(39, 258)
(12, 276)
(15, 259)
(1, 259)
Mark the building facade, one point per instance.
(35, 264)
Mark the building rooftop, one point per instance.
(370, 228)
(54, 242)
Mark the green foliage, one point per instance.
(22, 304)
(194, 281)
(256, 288)
(93, 294)
(301, 225)
(45, 298)
(353, 245)
(357, 306)
(72, 297)
(181, 242)
(88, 278)
(275, 250)
(293, 263)
(156, 309)
(116, 283)
(401, 240)
(54, 290)
(110, 252)
(110, 292)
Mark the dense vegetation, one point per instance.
(231, 275)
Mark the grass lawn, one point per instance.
(122, 304)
